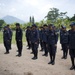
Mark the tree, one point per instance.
(33, 20)
(54, 14)
(30, 20)
(1, 23)
(73, 18)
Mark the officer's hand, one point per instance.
(30, 42)
(46, 45)
(36, 43)
(8, 40)
(55, 45)
(68, 47)
(19, 40)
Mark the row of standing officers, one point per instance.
(47, 37)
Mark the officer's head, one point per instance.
(28, 27)
(5, 28)
(72, 25)
(41, 28)
(50, 26)
(64, 28)
(8, 25)
(17, 25)
(45, 26)
(34, 26)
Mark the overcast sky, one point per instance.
(23, 9)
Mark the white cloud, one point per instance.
(32, 2)
(23, 9)
(12, 10)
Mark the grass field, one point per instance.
(13, 37)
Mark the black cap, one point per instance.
(17, 24)
(72, 24)
(7, 25)
(51, 25)
(34, 25)
(28, 26)
(45, 25)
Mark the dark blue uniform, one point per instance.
(72, 47)
(72, 44)
(41, 36)
(64, 42)
(44, 40)
(52, 41)
(28, 38)
(11, 33)
(6, 39)
(34, 42)
(19, 35)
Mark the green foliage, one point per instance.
(73, 18)
(2, 23)
(54, 14)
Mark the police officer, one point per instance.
(52, 39)
(6, 39)
(28, 36)
(41, 36)
(72, 44)
(44, 40)
(61, 30)
(19, 35)
(10, 32)
(34, 41)
(64, 42)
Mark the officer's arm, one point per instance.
(56, 38)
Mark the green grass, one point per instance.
(13, 37)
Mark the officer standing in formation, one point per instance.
(34, 41)
(18, 37)
(6, 39)
(40, 37)
(44, 39)
(72, 44)
(10, 32)
(64, 41)
(52, 39)
(28, 37)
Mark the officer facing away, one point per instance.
(72, 44)
(6, 39)
(19, 35)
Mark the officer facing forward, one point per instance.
(10, 32)
(19, 35)
(41, 36)
(34, 41)
(72, 44)
(28, 36)
(52, 44)
(6, 39)
(64, 42)
(44, 40)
